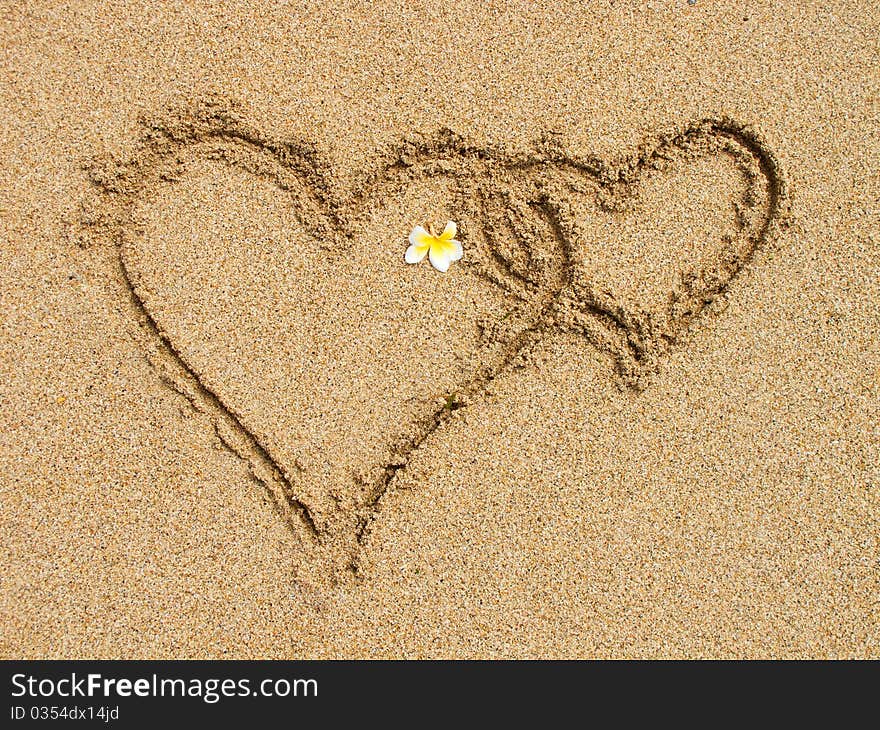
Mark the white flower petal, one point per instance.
(414, 254)
(449, 232)
(457, 250)
(420, 237)
(440, 257)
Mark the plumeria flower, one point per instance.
(442, 250)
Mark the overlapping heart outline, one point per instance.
(508, 202)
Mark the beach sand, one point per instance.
(640, 417)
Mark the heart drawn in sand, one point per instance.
(281, 305)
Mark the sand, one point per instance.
(639, 418)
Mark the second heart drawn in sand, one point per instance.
(281, 306)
